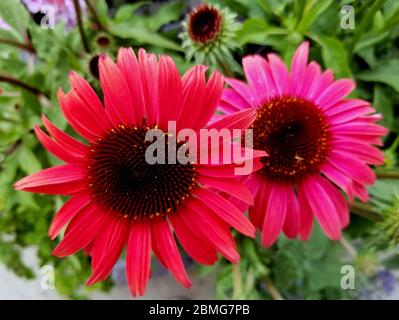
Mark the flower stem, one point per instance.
(348, 247)
(94, 15)
(272, 290)
(237, 288)
(19, 45)
(388, 174)
(80, 25)
(21, 84)
(364, 211)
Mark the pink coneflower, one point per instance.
(117, 197)
(318, 143)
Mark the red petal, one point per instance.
(168, 251)
(138, 257)
(107, 248)
(82, 230)
(117, 97)
(226, 211)
(67, 212)
(63, 139)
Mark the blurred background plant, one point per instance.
(35, 60)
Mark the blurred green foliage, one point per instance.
(34, 62)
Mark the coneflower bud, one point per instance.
(386, 232)
(103, 41)
(208, 37)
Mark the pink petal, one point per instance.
(312, 74)
(232, 101)
(339, 178)
(279, 72)
(339, 201)
(258, 73)
(276, 211)
(298, 67)
(352, 167)
(360, 191)
(319, 199)
(335, 92)
(258, 211)
(245, 91)
(357, 127)
(346, 105)
(306, 214)
(350, 115)
(364, 152)
(321, 84)
(292, 223)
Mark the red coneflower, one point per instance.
(318, 142)
(117, 198)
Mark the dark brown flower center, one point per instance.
(294, 133)
(121, 179)
(204, 23)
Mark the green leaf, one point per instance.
(126, 12)
(28, 161)
(312, 12)
(257, 31)
(334, 55)
(383, 104)
(368, 40)
(102, 12)
(385, 72)
(165, 14)
(143, 36)
(14, 14)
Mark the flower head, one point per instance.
(318, 140)
(118, 198)
(209, 34)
